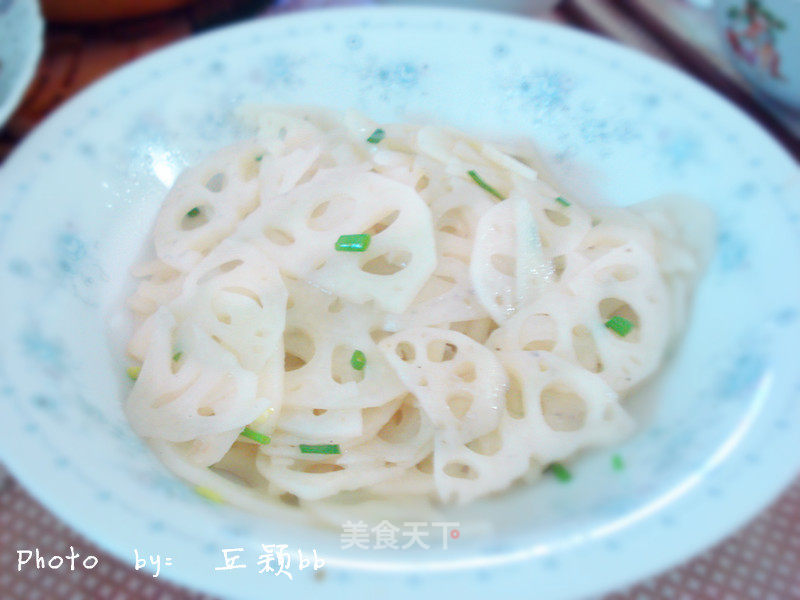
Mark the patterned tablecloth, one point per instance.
(760, 562)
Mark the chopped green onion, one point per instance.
(209, 494)
(177, 356)
(617, 463)
(133, 372)
(477, 179)
(320, 449)
(259, 157)
(255, 436)
(376, 136)
(357, 242)
(358, 360)
(562, 200)
(619, 324)
(561, 472)
(262, 418)
(194, 212)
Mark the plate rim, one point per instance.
(28, 71)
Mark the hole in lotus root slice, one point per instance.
(460, 470)
(459, 404)
(298, 349)
(614, 307)
(405, 351)
(562, 407)
(216, 183)
(197, 219)
(585, 347)
(389, 263)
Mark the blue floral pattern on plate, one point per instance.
(79, 196)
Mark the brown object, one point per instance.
(70, 11)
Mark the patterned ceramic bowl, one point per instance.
(763, 40)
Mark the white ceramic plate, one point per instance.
(78, 198)
(21, 31)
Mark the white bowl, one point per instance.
(79, 196)
(21, 40)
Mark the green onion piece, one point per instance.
(194, 212)
(259, 157)
(177, 356)
(357, 242)
(617, 463)
(358, 360)
(561, 472)
(376, 136)
(320, 449)
(619, 324)
(262, 418)
(255, 436)
(562, 200)
(477, 179)
(209, 494)
(133, 372)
